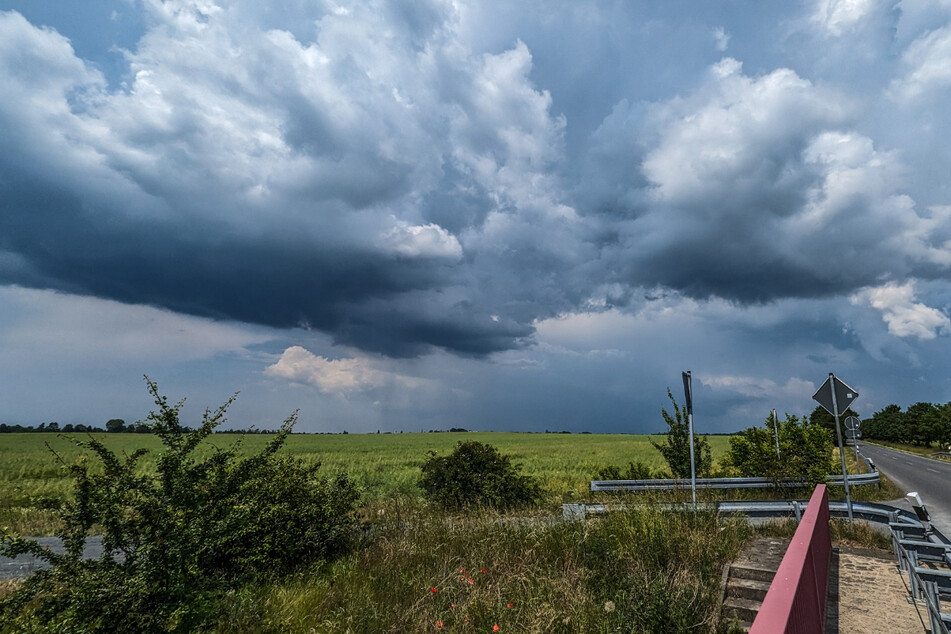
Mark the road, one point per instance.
(930, 478)
(23, 565)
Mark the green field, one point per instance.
(384, 465)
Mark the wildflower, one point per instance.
(462, 570)
(470, 580)
(495, 628)
(433, 590)
(609, 606)
(483, 571)
(439, 624)
(510, 605)
(452, 605)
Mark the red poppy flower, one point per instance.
(452, 605)
(510, 605)
(439, 624)
(495, 628)
(483, 571)
(433, 590)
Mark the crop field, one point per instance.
(385, 466)
(413, 567)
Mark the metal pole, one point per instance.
(838, 431)
(688, 388)
(776, 429)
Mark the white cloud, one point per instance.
(735, 132)
(760, 388)
(904, 316)
(422, 241)
(722, 38)
(337, 376)
(836, 17)
(927, 61)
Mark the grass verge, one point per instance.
(859, 534)
(635, 571)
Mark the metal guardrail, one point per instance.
(669, 484)
(869, 511)
(916, 545)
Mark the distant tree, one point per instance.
(676, 447)
(821, 417)
(886, 424)
(920, 424)
(115, 425)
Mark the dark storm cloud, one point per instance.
(402, 181)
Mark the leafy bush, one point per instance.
(175, 540)
(476, 474)
(805, 451)
(676, 448)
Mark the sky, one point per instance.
(530, 216)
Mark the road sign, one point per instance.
(844, 395)
(852, 423)
(835, 397)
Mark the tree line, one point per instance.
(113, 426)
(922, 424)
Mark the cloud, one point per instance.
(373, 188)
(336, 376)
(722, 38)
(87, 329)
(836, 17)
(927, 63)
(395, 177)
(904, 316)
(756, 188)
(759, 388)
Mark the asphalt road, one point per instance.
(929, 477)
(24, 565)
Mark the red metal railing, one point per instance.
(796, 601)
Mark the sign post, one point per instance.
(688, 397)
(835, 396)
(776, 430)
(852, 426)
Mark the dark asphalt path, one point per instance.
(930, 478)
(24, 565)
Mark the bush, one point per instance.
(476, 474)
(175, 540)
(676, 448)
(805, 451)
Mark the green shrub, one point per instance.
(805, 451)
(476, 474)
(174, 541)
(676, 445)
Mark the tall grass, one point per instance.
(635, 571)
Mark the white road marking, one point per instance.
(935, 470)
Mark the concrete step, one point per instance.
(741, 609)
(755, 573)
(747, 589)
